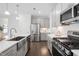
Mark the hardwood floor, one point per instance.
(38, 49)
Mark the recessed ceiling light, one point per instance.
(7, 13)
(15, 12)
(39, 12)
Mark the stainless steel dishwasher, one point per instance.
(21, 48)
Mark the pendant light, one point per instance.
(7, 12)
(17, 12)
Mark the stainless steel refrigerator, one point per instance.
(35, 32)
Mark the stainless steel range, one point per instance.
(72, 40)
(65, 45)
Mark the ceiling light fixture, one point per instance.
(17, 12)
(7, 12)
(39, 12)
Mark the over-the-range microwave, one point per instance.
(70, 15)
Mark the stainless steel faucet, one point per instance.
(11, 35)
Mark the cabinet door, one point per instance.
(10, 52)
(26, 47)
(65, 6)
(44, 36)
(58, 10)
(19, 53)
(23, 51)
(51, 47)
(50, 44)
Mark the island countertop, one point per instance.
(4, 45)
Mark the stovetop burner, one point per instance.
(72, 41)
(72, 44)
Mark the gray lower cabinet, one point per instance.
(44, 36)
(50, 45)
(12, 51)
(21, 52)
(26, 47)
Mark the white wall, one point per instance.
(22, 25)
(3, 20)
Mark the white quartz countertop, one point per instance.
(52, 35)
(75, 52)
(4, 45)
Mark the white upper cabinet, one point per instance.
(54, 18)
(66, 6)
(56, 15)
(58, 11)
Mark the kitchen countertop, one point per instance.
(4, 45)
(52, 35)
(75, 52)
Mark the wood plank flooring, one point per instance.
(38, 49)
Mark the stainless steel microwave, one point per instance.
(67, 16)
(71, 15)
(76, 10)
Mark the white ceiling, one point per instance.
(24, 8)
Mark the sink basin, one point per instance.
(16, 38)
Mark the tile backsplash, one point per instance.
(74, 27)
